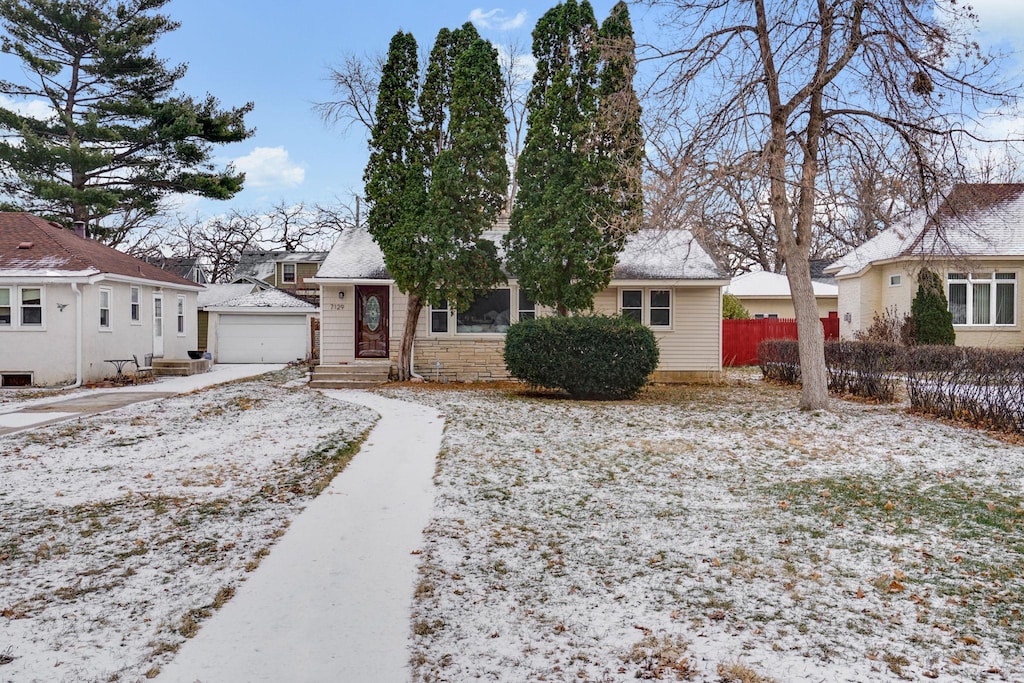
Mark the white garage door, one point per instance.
(261, 338)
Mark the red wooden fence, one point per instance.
(741, 337)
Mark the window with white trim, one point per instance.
(136, 305)
(181, 315)
(651, 307)
(105, 295)
(31, 305)
(895, 280)
(982, 298)
(288, 273)
(490, 313)
(659, 309)
(527, 307)
(632, 304)
(5, 307)
(439, 318)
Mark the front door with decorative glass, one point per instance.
(371, 322)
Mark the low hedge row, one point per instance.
(982, 386)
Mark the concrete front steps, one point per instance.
(179, 368)
(360, 375)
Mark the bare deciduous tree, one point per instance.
(784, 90)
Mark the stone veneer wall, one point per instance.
(461, 360)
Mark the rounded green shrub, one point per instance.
(588, 356)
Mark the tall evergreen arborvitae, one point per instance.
(932, 319)
(444, 181)
(578, 175)
(116, 138)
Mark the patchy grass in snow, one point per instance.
(716, 533)
(121, 533)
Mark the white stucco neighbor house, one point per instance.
(69, 304)
(974, 241)
(664, 279)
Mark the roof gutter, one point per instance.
(78, 337)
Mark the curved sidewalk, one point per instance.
(332, 600)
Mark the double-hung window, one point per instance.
(439, 318)
(105, 294)
(652, 307)
(288, 273)
(982, 298)
(181, 314)
(31, 303)
(136, 305)
(5, 307)
(527, 307)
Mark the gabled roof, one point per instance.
(33, 247)
(217, 294)
(262, 264)
(974, 220)
(187, 267)
(760, 283)
(266, 299)
(647, 255)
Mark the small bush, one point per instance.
(733, 308)
(889, 327)
(590, 356)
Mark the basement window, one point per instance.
(15, 379)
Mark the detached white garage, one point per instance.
(270, 326)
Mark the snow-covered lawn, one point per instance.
(120, 533)
(710, 533)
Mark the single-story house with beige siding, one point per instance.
(69, 304)
(663, 278)
(974, 241)
(767, 295)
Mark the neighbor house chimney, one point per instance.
(80, 228)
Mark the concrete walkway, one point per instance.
(332, 600)
(85, 402)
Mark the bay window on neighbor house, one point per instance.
(136, 306)
(105, 294)
(490, 313)
(982, 298)
(652, 307)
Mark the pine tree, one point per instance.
(932, 319)
(117, 138)
(579, 174)
(443, 182)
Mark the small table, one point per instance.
(119, 363)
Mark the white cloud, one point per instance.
(497, 19)
(270, 167)
(37, 109)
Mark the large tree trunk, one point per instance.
(412, 317)
(813, 373)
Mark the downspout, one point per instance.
(78, 337)
(412, 363)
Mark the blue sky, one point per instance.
(278, 56)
